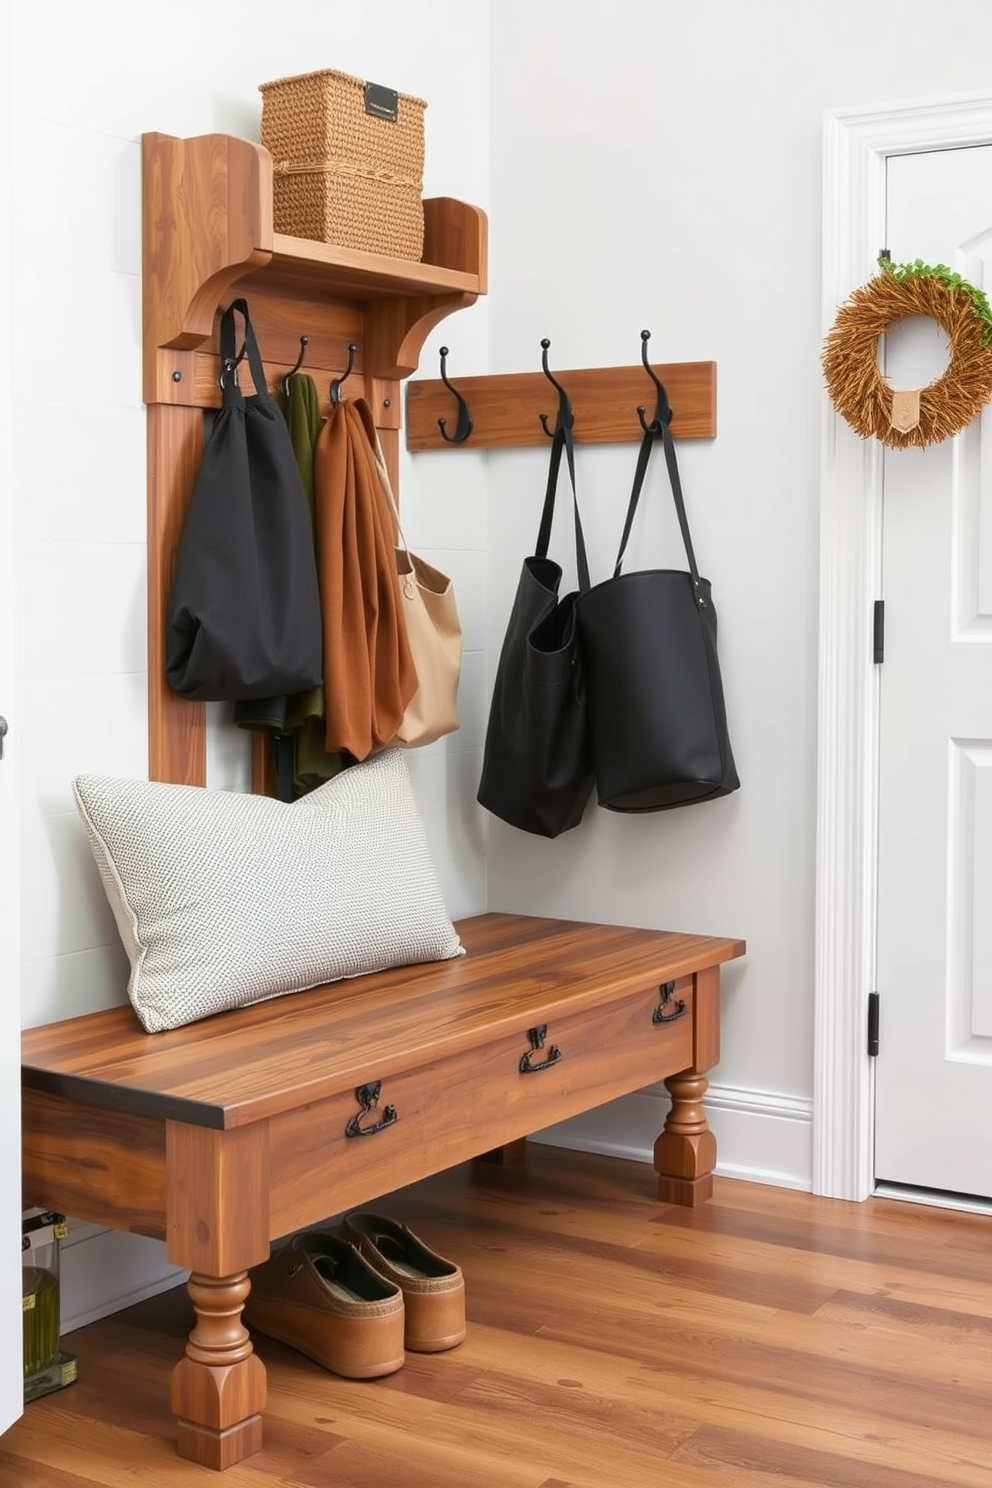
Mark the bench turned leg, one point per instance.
(218, 1389)
(685, 1153)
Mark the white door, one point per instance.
(11, 1381)
(933, 1090)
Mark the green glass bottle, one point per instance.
(40, 1238)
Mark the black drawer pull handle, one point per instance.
(665, 1014)
(367, 1097)
(537, 1037)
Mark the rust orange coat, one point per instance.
(369, 672)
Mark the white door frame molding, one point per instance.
(856, 145)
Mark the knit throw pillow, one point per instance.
(224, 899)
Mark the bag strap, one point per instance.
(562, 441)
(659, 429)
(364, 412)
(229, 359)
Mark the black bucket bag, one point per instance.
(536, 765)
(657, 719)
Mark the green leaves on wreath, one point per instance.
(950, 279)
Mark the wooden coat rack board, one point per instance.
(208, 237)
(505, 409)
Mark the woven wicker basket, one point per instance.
(342, 174)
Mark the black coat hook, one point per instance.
(229, 368)
(662, 409)
(336, 384)
(304, 343)
(463, 426)
(564, 418)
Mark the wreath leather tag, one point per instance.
(905, 412)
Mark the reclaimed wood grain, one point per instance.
(254, 1063)
(506, 408)
(768, 1339)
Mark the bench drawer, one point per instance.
(457, 1106)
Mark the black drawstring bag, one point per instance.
(536, 766)
(657, 718)
(243, 616)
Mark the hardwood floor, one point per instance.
(765, 1340)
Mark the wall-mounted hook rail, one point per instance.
(564, 418)
(304, 343)
(662, 407)
(336, 384)
(506, 407)
(463, 425)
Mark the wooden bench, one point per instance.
(225, 1135)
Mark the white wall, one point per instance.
(11, 1374)
(658, 166)
(88, 80)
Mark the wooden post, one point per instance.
(217, 1212)
(218, 1391)
(685, 1152)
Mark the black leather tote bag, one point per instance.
(657, 718)
(536, 766)
(243, 615)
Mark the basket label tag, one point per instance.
(384, 103)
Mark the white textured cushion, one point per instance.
(224, 899)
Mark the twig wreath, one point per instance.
(850, 355)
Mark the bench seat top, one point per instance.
(252, 1063)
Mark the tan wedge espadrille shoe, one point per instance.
(433, 1288)
(320, 1296)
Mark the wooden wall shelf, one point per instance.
(505, 409)
(208, 234)
(208, 237)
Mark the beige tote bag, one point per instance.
(427, 602)
(435, 636)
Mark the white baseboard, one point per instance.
(102, 1271)
(761, 1138)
